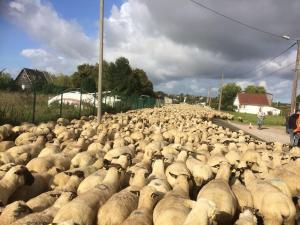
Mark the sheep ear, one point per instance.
(106, 163)
(137, 193)
(146, 174)
(19, 172)
(154, 195)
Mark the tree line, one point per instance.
(118, 77)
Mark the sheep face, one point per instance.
(21, 209)
(22, 174)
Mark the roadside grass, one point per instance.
(16, 107)
(247, 118)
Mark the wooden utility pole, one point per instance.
(100, 61)
(208, 96)
(221, 91)
(295, 81)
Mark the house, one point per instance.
(168, 100)
(250, 103)
(28, 77)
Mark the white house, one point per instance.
(250, 103)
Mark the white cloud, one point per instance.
(263, 83)
(41, 59)
(61, 37)
(181, 50)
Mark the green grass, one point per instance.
(17, 107)
(251, 118)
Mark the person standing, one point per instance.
(260, 118)
(294, 128)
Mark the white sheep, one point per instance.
(170, 210)
(275, 207)
(16, 177)
(144, 212)
(219, 192)
(13, 212)
(46, 216)
(202, 213)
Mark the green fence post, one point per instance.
(33, 106)
(94, 104)
(61, 104)
(80, 103)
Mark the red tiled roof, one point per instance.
(253, 99)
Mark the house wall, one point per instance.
(253, 109)
(22, 79)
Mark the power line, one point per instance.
(276, 71)
(240, 22)
(261, 66)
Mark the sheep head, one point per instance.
(20, 174)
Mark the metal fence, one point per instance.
(18, 107)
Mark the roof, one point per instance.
(36, 76)
(253, 99)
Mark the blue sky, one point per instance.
(14, 39)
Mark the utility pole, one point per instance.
(221, 91)
(208, 96)
(100, 61)
(295, 81)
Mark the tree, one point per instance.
(85, 77)
(62, 81)
(6, 82)
(230, 91)
(255, 89)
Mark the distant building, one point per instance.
(28, 77)
(250, 103)
(168, 100)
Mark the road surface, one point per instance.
(268, 133)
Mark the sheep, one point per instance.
(46, 216)
(123, 202)
(202, 213)
(43, 201)
(13, 212)
(4, 145)
(6, 158)
(83, 209)
(17, 176)
(4, 168)
(177, 168)
(25, 138)
(143, 214)
(91, 181)
(243, 195)
(157, 178)
(199, 170)
(50, 150)
(275, 206)
(41, 184)
(22, 154)
(246, 218)
(82, 159)
(219, 192)
(73, 182)
(170, 209)
(43, 164)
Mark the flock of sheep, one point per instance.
(162, 166)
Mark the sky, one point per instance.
(182, 47)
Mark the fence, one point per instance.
(17, 107)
